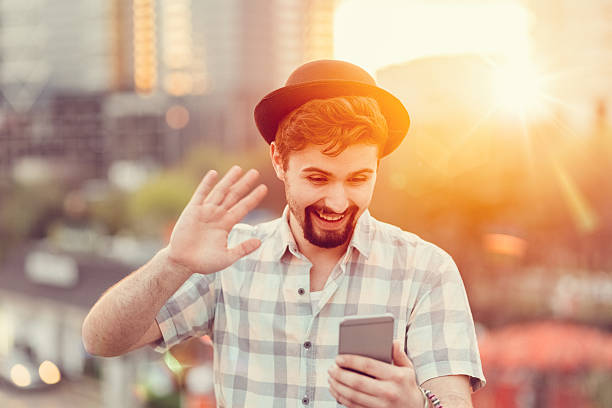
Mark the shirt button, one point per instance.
(307, 345)
(301, 291)
(305, 400)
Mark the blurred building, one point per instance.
(59, 46)
(250, 48)
(60, 60)
(319, 32)
(219, 58)
(254, 45)
(101, 81)
(65, 130)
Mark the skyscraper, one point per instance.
(60, 59)
(250, 48)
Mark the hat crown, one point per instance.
(329, 70)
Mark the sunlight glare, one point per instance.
(376, 34)
(584, 215)
(518, 90)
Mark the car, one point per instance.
(21, 369)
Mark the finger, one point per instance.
(244, 249)
(370, 366)
(351, 397)
(217, 195)
(340, 398)
(242, 207)
(399, 357)
(343, 401)
(240, 189)
(355, 381)
(206, 184)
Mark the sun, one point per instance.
(514, 88)
(519, 90)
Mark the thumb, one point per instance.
(399, 357)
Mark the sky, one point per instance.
(375, 34)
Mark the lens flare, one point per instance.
(177, 117)
(505, 244)
(20, 375)
(173, 364)
(49, 373)
(584, 215)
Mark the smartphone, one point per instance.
(368, 335)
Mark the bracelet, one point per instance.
(425, 398)
(435, 401)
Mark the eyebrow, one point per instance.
(318, 170)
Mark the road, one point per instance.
(83, 394)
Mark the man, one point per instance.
(271, 296)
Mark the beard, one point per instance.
(320, 237)
(328, 239)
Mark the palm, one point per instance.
(199, 239)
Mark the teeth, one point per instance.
(330, 217)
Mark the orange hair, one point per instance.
(336, 123)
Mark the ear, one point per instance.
(277, 162)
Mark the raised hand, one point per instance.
(199, 239)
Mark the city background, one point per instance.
(112, 110)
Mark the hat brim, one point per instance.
(277, 104)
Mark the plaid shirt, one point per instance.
(273, 346)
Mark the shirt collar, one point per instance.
(361, 239)
(287, 241)
(363, 234)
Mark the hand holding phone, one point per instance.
(369, 336)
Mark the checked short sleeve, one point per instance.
(189, 312)
(441, 337)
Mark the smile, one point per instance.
(329, 217)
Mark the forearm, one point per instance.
(123, 314)
(451, 401)
(452, 390)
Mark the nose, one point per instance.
(336, 199)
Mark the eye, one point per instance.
(317, 179)
(358, 180)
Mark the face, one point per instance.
(327, 194)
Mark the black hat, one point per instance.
(324, 79)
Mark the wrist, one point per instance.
(417, 398)
(171, 266)
(432, 400)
